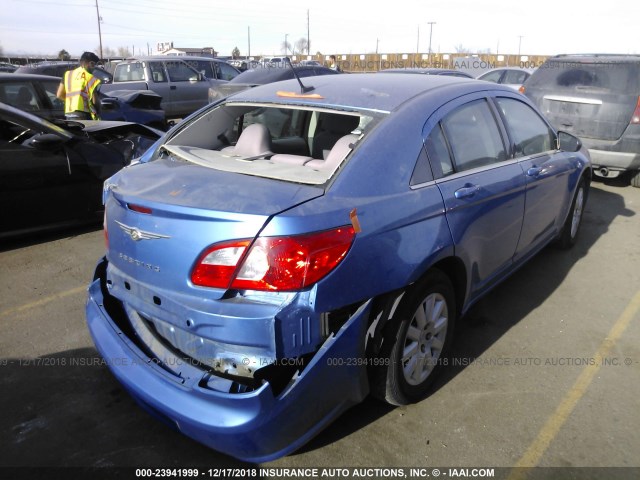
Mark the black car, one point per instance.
(597, 98)
(428, 71)
(263, 75)
(51, 174)
(37, 94)
(7, 67)
(32, 93)
(58, 68)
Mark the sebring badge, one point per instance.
(136, 234)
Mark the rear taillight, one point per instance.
(521, 89)
(139, 208)
(106, 232)
(635, 118)
(273, 263)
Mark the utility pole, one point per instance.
(519, 45)
(248, 43)
(99, 29)
(285, 44)
(418, 42)
(431, 24)
(308, 37)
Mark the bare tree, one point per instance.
(285, 47)
(124, 52)
(301, 46)
(235, 53)
(106, 52)
(63, 55)
(461, 49)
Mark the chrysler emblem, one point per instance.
(136, 234)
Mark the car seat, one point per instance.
(332, 127)
(24, 98)
(337, 154)
(254, 142)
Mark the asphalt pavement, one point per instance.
(545, 372)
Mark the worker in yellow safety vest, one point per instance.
(79, 90)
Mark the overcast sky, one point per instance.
(44, 27)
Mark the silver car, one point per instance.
(597, 98)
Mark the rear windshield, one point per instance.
(291, 143)
(601, 76)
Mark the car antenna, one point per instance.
(303, 89)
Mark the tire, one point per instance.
(415, 344)
(635, 179)
(571, 228)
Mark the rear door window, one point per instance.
(225, 72)
(158, 74)
(202, 66)
(438, 153)
(474, 136)
(179, 71)
(51, 88)
(492, 76)
(515, 77)
(22, 96)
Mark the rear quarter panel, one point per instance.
(404, 230)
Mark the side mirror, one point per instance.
(46, 141)
(568, 142)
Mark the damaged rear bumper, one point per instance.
(253, 426)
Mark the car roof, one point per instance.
(423, 71)
(170, 57)
(193, 57)
(261, 75)
(47, 63)
(598, 57)
(8, 77)
(500, 69)
(366, 91)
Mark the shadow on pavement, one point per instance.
(48, 236)
(501, 309)
(66, 409)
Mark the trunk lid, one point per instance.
(592, 99)
(162, 215)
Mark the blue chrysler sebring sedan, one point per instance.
(284, 252)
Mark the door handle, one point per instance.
(466, 191)
(172, 87)
(534, 171)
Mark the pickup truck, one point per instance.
(183, 88)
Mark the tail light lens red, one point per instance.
(106, 232)
(521, 89)
(635, 118)
(139, 208)
(273, 263)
